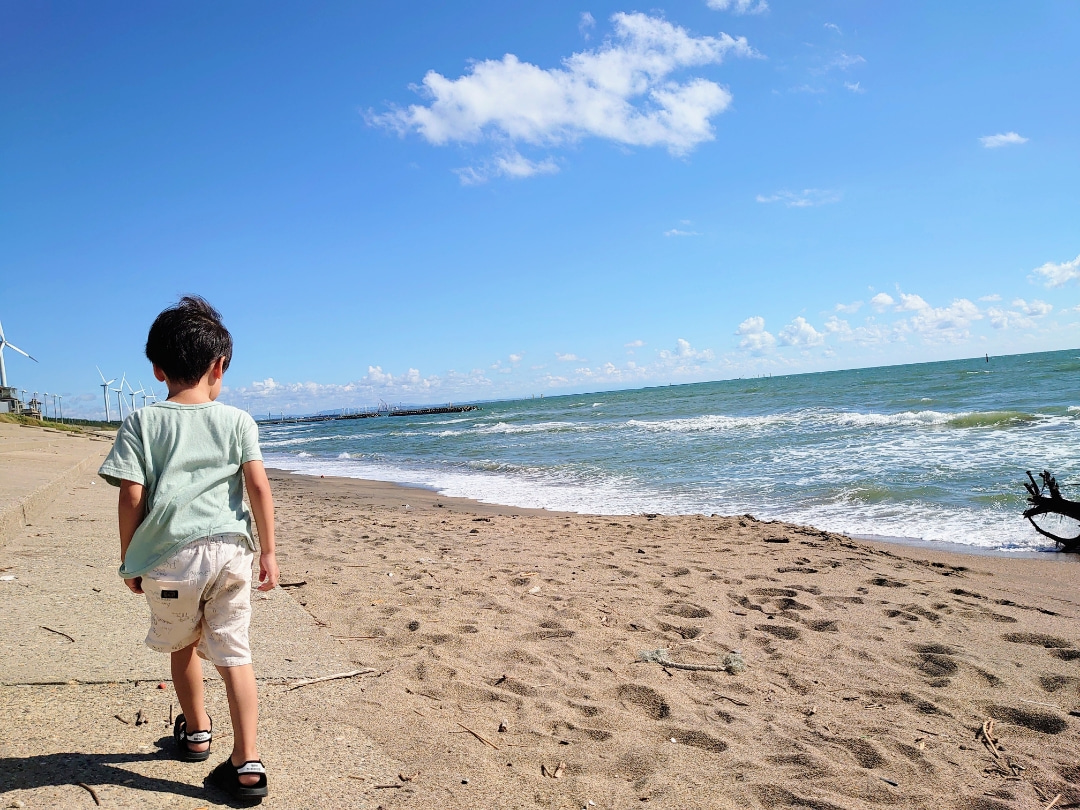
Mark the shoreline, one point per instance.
(391, 493)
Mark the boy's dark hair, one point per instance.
(186, 339)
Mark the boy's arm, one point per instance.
(131, 509)
(262, 506)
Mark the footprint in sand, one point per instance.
(644, 700)
(697, 739)
(1035, 719)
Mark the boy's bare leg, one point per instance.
(187, 678)
(243, 695)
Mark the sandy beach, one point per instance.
(500, 653)
(870, 669)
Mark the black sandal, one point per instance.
(181, 737)
(227, 777)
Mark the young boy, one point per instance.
(185, 535)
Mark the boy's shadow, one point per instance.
(68, 769)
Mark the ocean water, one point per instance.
(933, 451)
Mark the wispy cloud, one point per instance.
(1057, 275)
(634, 344)
(1002, 139)
(854, 87)
(845, 61)
(1023, 316)
(569, 358)
(849, 309)
(677, 232)
(833, 27)
(990, 298)
(624, 91)
(939, 324)
(806, 198)
(739, 6)
(511, 164)
(586, 24)
(881, 302)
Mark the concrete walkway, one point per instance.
(74, 672)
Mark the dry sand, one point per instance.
(870, 669)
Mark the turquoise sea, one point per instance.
(932, 451)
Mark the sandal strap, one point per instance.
(197, 736)
(254, 766)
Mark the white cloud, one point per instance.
(754, 337)
(1007, 319)
(586, 24)
(800, 333)
(1002, 139)
(1057, 275)
(868, 334)
(1035, 308)
(569, 358)
(833, 27)
(516, 358)
(990, 298)
(623, 91)
(509, 164)
(849, 309)
(739, 6)
(844, 61)
(684, 351)
(881, 301)
(634, 344)
(948, 324)
(806, 198)
(677, 232)
(854, 87)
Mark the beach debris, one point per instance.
(553, 774)
(139, 719)
(292, 584)
(405, 778)
(503, 727)
(986, 734)
(65, 635)
(482, 739)
(338, 676)
(1053, 802)
(733, 700)
(734, 663)
(661, 657)
(121, 719)
(91, 791)
(385, 787)
(161, 686)
(8, 578)
(890, 782)
(1046, 499)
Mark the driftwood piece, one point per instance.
(325, 678)
(1046, 499)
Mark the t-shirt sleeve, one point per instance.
(126, 460)
(249, 439)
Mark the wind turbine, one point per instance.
(45, 404)
(105, 392)
(3, 345)
(142, 390)
(153, 394)
(133, 393)
(120, 396)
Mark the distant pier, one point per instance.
(301, 420)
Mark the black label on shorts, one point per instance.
(170, 594)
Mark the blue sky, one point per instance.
(434, 202)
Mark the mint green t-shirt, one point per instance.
(190, 459)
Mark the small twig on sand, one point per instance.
(986, 733)
(733, 700)
(65, 635)
(122, 720)
(91, 791)
(1053, 802)
(384, 787)
(338, 676)
(481, 739)
(292, 584)
(353, 638)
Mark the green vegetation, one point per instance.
(71, 425)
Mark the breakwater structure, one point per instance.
(382, 411)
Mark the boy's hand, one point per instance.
(268, 572)
(134, 584)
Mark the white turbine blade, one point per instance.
(100, 374)
(110, 382)
(20, 351)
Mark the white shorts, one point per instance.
(203, 593)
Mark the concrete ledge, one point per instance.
(37, 502)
